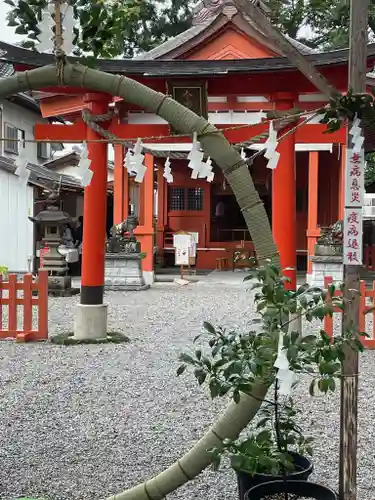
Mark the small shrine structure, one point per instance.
(225, 69)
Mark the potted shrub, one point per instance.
(290, 490)
(274, 354)
(330, 240)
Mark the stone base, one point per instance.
(123, 272)
(90, 322)
(326, 266)
(61, 286)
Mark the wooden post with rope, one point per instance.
(349, 381)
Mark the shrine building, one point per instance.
(225, 69)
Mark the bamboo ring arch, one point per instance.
(236, 416)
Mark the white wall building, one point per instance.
(18, 115)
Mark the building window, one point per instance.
(11, 138)
(21, 138)
(185, 198)
(42, 150)
(176, 197)
(195, 199)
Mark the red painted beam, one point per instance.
(75, 133)
(60, 133)
(317, 133)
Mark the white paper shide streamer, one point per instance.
(270, 145)
(285, 375)
(195, 158)
(200, 169)
(357, 137)
(46, 36)
(167, 171)
(84, 164)
(69, 23)
(134, 162)
(21, 167)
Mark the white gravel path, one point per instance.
(81, 423)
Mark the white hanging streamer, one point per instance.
(21, 163)
(84, 164)
(195, 158)
(167, 171)
(285, 375)
(357, 137)
(134, 162)
(46, 35)
(243, 154)
(270, 145)
(69, 23)
(206, 170)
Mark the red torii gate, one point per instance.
(93, 257)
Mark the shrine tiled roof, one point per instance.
(41, 176)
(205, 15)
(28, 58)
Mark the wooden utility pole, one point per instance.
(349, 383)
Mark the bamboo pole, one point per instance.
(349, 382)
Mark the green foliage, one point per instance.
(231, 362)
(4, 270)
(347, 107)
(258, 453)
(370, 169)
(109, 28)
(288, 15)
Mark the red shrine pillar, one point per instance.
(313, 231)
(91, 315)
(284, 197)
(120, 186)
(162, 210)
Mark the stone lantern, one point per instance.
(52, 220)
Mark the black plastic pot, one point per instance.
(302, 470)
(275, 490)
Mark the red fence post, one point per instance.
(12, 307)
(42, 333)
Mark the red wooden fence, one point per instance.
(27, 301)
(369, 343)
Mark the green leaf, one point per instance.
(181, 370)
(312, 388)
(263, 437)
(236, 396)
(209, 328)
(186, 358)
(21, 30)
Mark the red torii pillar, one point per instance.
(91, 313)
(284, 197)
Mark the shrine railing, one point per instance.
(23, 325)
(364, 307)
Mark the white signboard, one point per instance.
(355, 179)
(182, 256)
(181, 240)
(353, 236)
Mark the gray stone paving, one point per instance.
(81, 423)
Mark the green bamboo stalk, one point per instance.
(237, 416)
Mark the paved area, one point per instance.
(81, 423)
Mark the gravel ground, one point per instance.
(84, 422)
